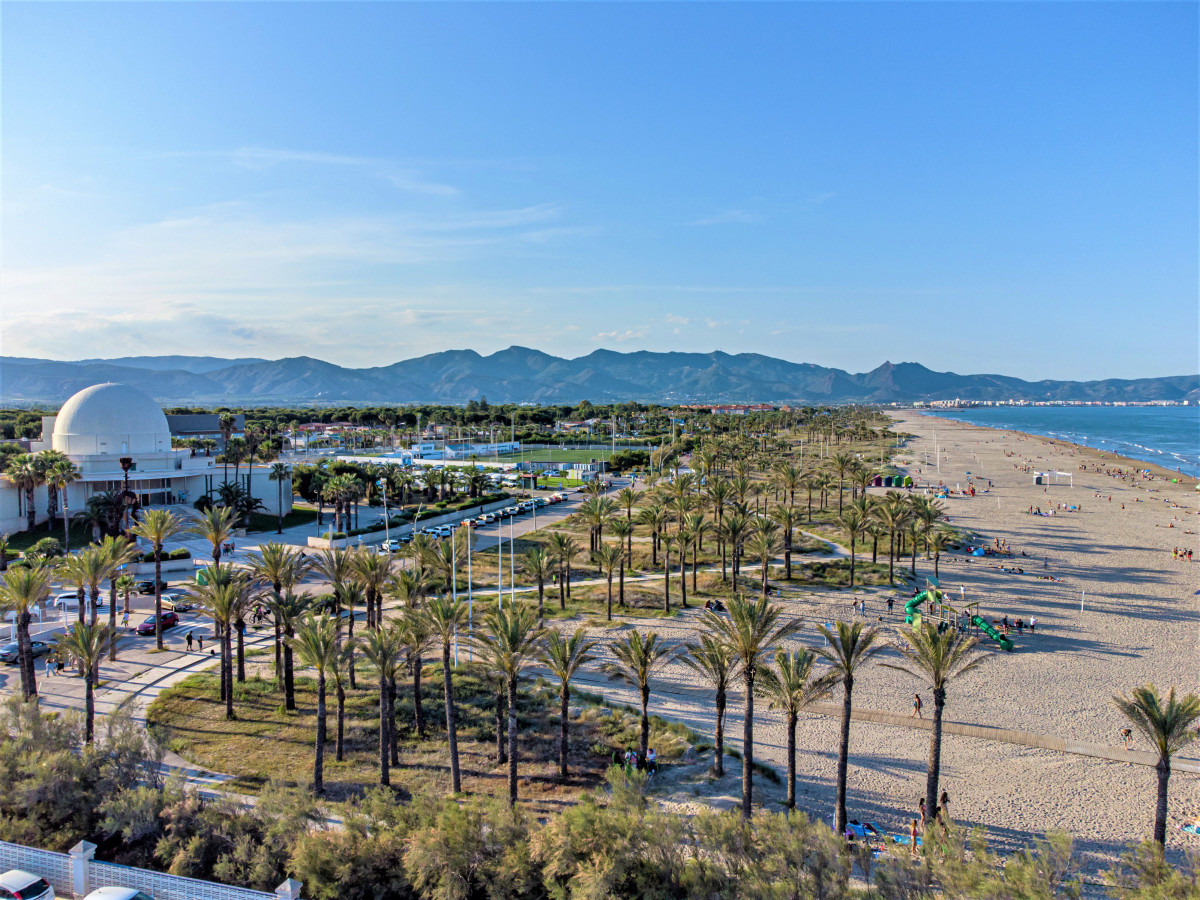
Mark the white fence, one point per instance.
(78, 873)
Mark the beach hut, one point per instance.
(908, 481)
(878, 482)
(887, 480)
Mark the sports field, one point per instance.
(565, 455)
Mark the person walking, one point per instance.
(916, 711)
(200, 642)
(50, 664)
(891, 603)
(923, 812)
(1126, 737)
(125, 619)
(189, 642)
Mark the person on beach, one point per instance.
(125, 619)
(944, 805)
(923, 813)
(189, 641)
(891, 602)
(200, 642)
(1032, 624)
(1126, 736)
(912, 837)
(917, 712)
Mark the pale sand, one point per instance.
(1139, 624)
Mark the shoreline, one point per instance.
(1131, 460)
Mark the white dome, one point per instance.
(110, 418)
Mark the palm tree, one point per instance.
(622, 530)
(226, 425)
(287, 610)
(848, 649)
(716, 663)
(280, 472)
(446, 616)
(382, 647)
(87, 644)
(791, 687)
(941, 539)
(509, 642)
(937, 659)
(281, 568)
(840, 464)
(655, 516)
(1168, 727)
(892, 514)
(21, 590)
(852, 521)
(564, 549)
(221, 596)
(126, 585)
(637, 659)
(372, 570)
(416, 633)
(537, 564)
(564, 657)
(214, 525)
(61, 473)
(763, 547)
(117, 553)
(24, 471)
(158, 526)
(316, 643)
(788, 520)
(609, 559)
(667, 541)
(628, 498)
(735, 530)
(750, 632)
(339, 670)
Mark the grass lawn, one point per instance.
(547, 484)
(266, 742)
(564, 455)
(81, 536)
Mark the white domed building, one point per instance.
(99, 427)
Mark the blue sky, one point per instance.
(978, 187)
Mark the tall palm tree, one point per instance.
(381, 647)
(667, 542)
(716, 663)
(892, 513)
(538, 564)
(763, 546)
(749, 632)
(788, 519)
(21, 591)
(95, 566)
(628, 498)
(316, 643)
(849, 647)
(118, 553)
(372, 570)
(840, 464)
(280, 472)
(281, 568)
(446, 616)
(24, 471)
(791, 687)
(158, 526)
(941, 539)
(125, 585)
(609, 558)
(936, 659)
(416, 633)
(622, 530)
(220, 597)
(287, 610)
(564, 549)
(61, 473)
(214, 525)
(735, 530)
(87, 643)
(655, 516)
(340, 671)
(564, 657)
(510, 642)
(852, 521)
(1167, 725)
(637, 658)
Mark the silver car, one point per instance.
(18, 885)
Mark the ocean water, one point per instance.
(1168, 436)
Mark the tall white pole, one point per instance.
(470, 601)
(454, 584)
(512, 562)
(500, 563)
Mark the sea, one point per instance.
(1168, 436)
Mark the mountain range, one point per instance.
(521, 375)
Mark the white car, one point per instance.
(18, 885)
(445, 531)
(118, 893)
(70, 600)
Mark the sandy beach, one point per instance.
(1139, 624)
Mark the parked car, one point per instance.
(147, 587)
(178, 604)
(8, 654)
(170, 619)
(489, 518)
(118, 893)
(391, 545)
(70, 600)
(18, 885)
(444, 531)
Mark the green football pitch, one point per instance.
(565, 455)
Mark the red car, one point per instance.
(169, 620)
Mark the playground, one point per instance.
(931, 604)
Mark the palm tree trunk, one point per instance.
(227, 666)
(451, 729)
(666, 582)
(568, 580)
(935, 751)
(724, 578)
(563, 724)
(541, 597)
(936, 557)
(791, 761)
(683, 576)
(843, 757)
(112, 618)
(392, 731)
(319, 761)
(718, 766)
(340, 746)
(385, 775)
(418, 706)
(562, 587)
(645, 691)
(240, 625)
(621, 584)
(279, 653)
(1160, 810)
(610, 596)
(289, 676)
(158, 635)
(891, 557)
(852, 560)
(501, 737)
(512, 740)
(89, 707)
(748, 748)
(25, 652)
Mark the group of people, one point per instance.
(1180, 553)
(714, 605)
(632, 762)
(55, 662)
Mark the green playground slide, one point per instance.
(914, 605)
(982, 625)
